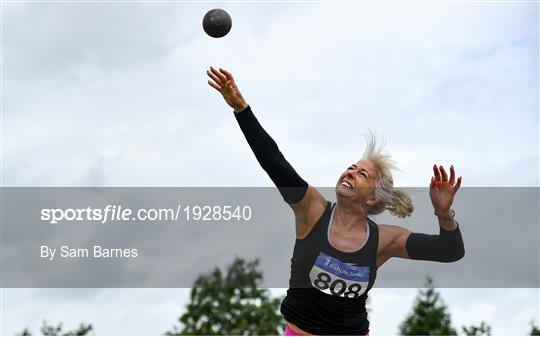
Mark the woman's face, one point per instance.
(357, 182)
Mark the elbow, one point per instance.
(454, 255)
(460, 254)
(452, 245)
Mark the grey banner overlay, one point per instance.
(500, 227)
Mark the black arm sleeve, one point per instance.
(291, 186)
(445, 247)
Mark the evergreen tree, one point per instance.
(482, 330)
(534, 330)
(51, 330)
(231, 304)
(25, 332)
(429, 315)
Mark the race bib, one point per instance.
(334, 277)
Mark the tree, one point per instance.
(25, 332)
(51, 330)
(429, 315)
(482, 330)
(534, 330)
(231, 304)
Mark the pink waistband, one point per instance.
(289, 331)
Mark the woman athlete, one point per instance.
(338, 249)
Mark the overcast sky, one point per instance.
(115, 94)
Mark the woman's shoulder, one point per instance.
(389, 233)
(389, 228)
(313, 219)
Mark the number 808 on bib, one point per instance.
(337, 278)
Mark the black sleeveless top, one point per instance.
(328, 288)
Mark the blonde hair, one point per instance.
(396, 201)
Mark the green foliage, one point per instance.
(429, 315)
(482, 330)
(51, 330)
(231, 304)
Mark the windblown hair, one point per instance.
(396, 201)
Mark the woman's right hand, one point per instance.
(223, 82)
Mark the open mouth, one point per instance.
(346, 184)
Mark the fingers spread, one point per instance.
(444, 176)
(458, 184)
(452, 175)
(436, 172)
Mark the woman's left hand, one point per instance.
(442, 189)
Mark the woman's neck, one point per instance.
(349, 217)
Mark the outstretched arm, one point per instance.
(291, 186)
(445, 247)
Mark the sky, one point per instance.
(115, 94)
